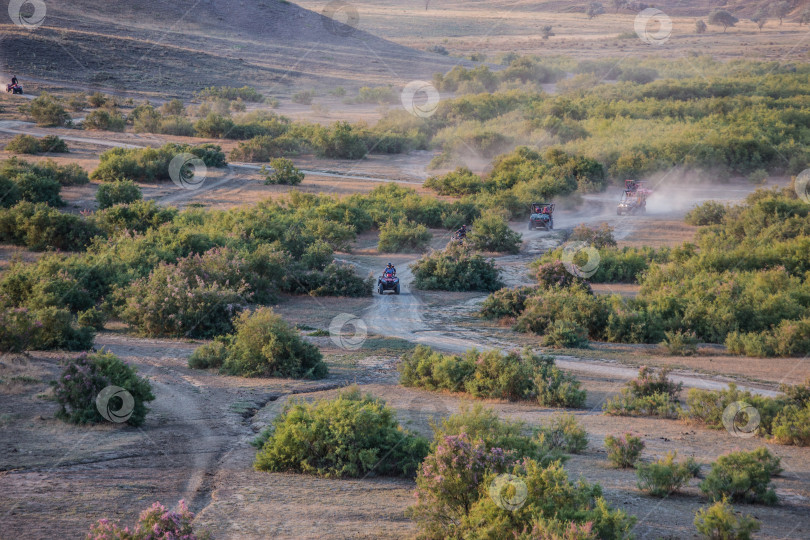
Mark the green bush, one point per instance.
(707, 407)
(460, 182)
(47, 111)
(263, 345)
(350, 435)
(139, 216)
(39, 189)
(246, 93)
(405, 235)
(506, 303)
(566, 335)
(792, 425)
(210, 355)
(379, 94)
(492, 374)
(664, 476)
(341, 141)
(121, 192)
(565, 433)
(284, 172)
(151, 164)
(85, 376)
(105, 119)
(45, 328)
(708, 213)
(719, 522)
(23, 144)
(18, 329)
(92, 318)
(601, 237)
(456, 269)
(650, 394)
(40, 227)
(743, 476)
(77, 102)
(304, 97)
(680, 343)
(624, 450)
(491, 232)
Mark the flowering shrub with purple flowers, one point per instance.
(84, 376)
(154, 523)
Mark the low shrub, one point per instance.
(719, 522)
(210, 355)
(624, 450)
(788, 338)
(304, 97)
(92, 318)
(77, 102)
(151, 164)
(491, 232)
(40, 227)
(105, 119)
(121, 192)
(396, 237)
(23, 144)
(708, 213)
(565, 433)
(18, 329)
(350, 435)
(86, 375)
(245, 93)
(743, 476)
(460, 182)
(491, 374)
(263, 345)
(138, 216)
(650, 394)
(47, 111)
(284, 172)
(380, 95)
(555, 274)
(664, 476)
(456, 269)
(599, 238)
(707, 407)
(792, 425)
(154, 523)
(566, 335)
(506, 302)
(680, 343)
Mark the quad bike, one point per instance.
(14, 88)
(634, 198)
(542, 216)
(459, 238)
(388, 282)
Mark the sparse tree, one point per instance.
(804, 18)
(700, 26)
(546, 32)
(721, 17)
(760, 18)
(618, 4)
(780, 10)
(595, 9)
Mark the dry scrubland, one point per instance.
(240, 314)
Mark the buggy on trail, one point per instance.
(634, 198)
(542, 216)
(388, 281)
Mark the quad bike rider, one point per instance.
(634, 198)
(14, 87)
(460, 235)
(389, 280)
(542, 216)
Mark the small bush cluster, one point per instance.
(284, 172)
(624, 450)
(491, 232)
(107, 119)
(47, 111)
(719, 522)
(151, 164)
(456, 269)
(404, 235)
(40, 227)
(154, 523)
(351, 435)
(492, 374)
(708, 213)
(650, 394)
(262, 345)
(743, 476)
(245, 93)
(601, 237)
(120, 192)
(27, 144)
(85, 376)
(665, 476)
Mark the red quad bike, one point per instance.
(388, 282)
(634, 198)
(14, 88)
(542, 216)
